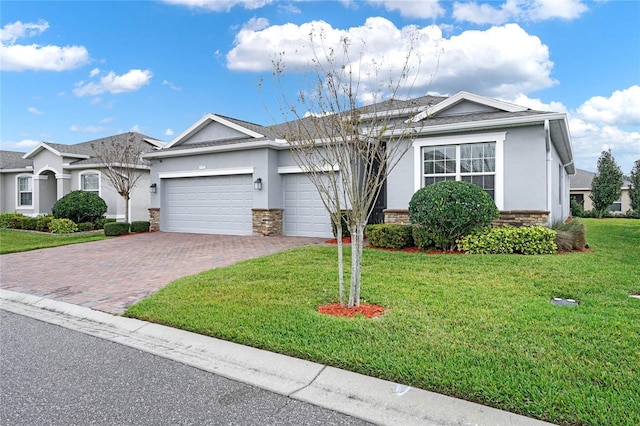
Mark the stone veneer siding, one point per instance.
(508, 217)
(267, 222)
(154, 219)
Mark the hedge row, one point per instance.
(48, 223)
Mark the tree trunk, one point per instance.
(340, 263)
(357, 242)
(126, 208)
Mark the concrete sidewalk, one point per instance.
(364, 397)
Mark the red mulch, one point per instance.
(345, 240)
(368, 311)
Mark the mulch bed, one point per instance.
(369, 311)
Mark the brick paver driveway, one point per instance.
(112, 274)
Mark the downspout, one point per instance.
(547, 138)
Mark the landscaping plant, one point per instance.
(80, 206)
(450, 210)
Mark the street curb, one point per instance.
(375, 400)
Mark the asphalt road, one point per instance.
(55, 376)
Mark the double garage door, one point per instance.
(222, 205)
(208, 205)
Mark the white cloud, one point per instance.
(11, 32)
(518, 10)
(94, 72)
(136, 128)
(537, 104)
(219, 5)
(621, 108)
(86, 129)
(171, 85)
(424, 9)
(23, 145)
(168, 132)
(111, 83)
(500, 61)
(18, 57)
(34, 111)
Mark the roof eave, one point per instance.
(164, 153)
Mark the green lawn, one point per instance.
(12, 241)
(478, 327)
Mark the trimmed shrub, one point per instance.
(140, 226)
(576, 209)
(11, 220)
(113, 229)
(450, 210)
(421, 238)
(345, 226)
(44, 222)
(507, 240)
(29, 223)
(86, 226)
(390, 236)
(63, 226)
(80, 206)
(103, 220)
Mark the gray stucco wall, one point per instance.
(8, 191)
(524, 171)
(213, 131)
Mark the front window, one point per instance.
(25, 191)
(473, 162)
(90, 183)
(616, 206)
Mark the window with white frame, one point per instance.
(472, 162)
(475, 159)
(616, 206)
(25, 191)
(90, 182)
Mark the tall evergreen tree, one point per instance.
(634, 188)
(607, 184)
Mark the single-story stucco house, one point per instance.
(580, 190)
(228, 176)
(30, 183)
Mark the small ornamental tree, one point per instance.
(606, 186)
(80, 206)
(449, 210)
(634, 188)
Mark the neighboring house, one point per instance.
(580, 191)
(228, 176)
(31, 183)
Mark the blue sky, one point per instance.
(74, 71)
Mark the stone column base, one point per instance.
(154, 219)
(508, 217)
(399, 217)
(267, 222)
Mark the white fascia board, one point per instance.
(472, 97)
(156, 142)
(40, 147)
(203, 173)
(161, 153)
(22, 170)
(206, 119)
(476, 125)
(286, 170)
(102, 166)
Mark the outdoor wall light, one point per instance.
(152, 188)
(257, 184)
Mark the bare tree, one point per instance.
(121, 159)
(348, 150)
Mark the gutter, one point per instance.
(547, 139)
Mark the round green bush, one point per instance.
(80, 206)
(450, 210)
(114, 229)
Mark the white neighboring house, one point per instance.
(31, 183)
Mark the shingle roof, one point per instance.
(13, 160)
(584, 178)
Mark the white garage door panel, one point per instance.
(304, 213)
(208, 205)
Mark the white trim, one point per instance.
(497, 137)
(162, 153)
(44, 145)
(284, 170)
(466, 96)
(202, 173)
(63, 176)
(17, 186)
(204, 121)
(91, 172)
(46, 168)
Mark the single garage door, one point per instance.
(208, 205)
(304, 213)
